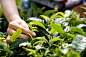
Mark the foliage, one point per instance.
(58, 34)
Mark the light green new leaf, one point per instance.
(83, 8)
(30, 50)
(37, 42)
(57, 27)
(59, 13)
(54, 15)
(45, 17)
(37, 23)
(53, 31)
(69, 35)
(41, 38)
(16, 34)
(71, 53)
(55, 39)
(49, 12)
(79, 43)
(1, 38)
(75, 29)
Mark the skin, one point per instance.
(80, 10)
(15, 22)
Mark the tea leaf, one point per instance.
(58, 13)
(16, 34)
(68, 13)
(1, 38)
(55, 39)
(40, 38)
(75, 29)
(73, 54)
(53, 31)
(49, 12)
(45, 17)
(79, 43)
(69, 35)
(37, 23)
(30, 50)
(57, 27)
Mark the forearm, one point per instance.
(10, 10)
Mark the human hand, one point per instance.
(80, 10)
(18, 24)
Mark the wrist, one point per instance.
(14, 18)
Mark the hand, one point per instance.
(80, 10)
(18, 24)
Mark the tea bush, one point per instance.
(58, 34)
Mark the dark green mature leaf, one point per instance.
(73, 54)
(19, 41)
(29, 13)
(34, 7)
(16, 34)
(79, 43)
(37, 23)
(49, 12)
(75, 29)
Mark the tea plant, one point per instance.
(58, 34)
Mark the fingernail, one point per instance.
(34, 34)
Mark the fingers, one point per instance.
(8, 40)
(24, 30)
(11, 31)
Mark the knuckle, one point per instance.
(11, 23)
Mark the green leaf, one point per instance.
(45, 17)
(49, 12)
(57, 27)
(37, 23)
(79, 43)
(38, 55)
(16, 34)
(19, 41)
(30, 50)
(1, 38)
(34, 19)
(55, 39)
(54, 15)
(53, 31)
(59, 13)
(29, 12)
(34, 8)
(69, 35)
(37, 42)
(73, 54)
(68, 13)
(84, 8)
(41, 38)
(75, 29)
